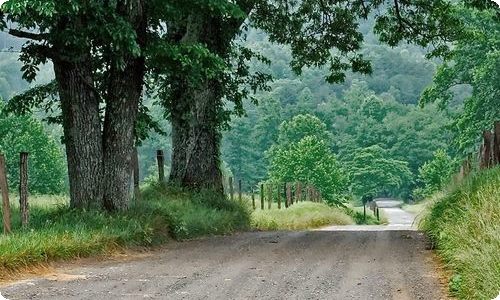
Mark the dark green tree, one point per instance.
(310, 161)
(373, 172)
(46, 169)
(434, 174)
(475, 61)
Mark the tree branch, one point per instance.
(27, 35)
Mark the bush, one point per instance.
(464, 224)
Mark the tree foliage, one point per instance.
(310, 161)
(373, 173)
(475, 61)
(46, 169)
(434, 174)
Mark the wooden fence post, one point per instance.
(240, 197)
(269, 195)
(231, 189)
(364, 211)
(253, 198)
(298, 192)
(486, 150)
(135, 170)
(289, 193)
(496, 144)
(161, 165)
(262, 196)
(287, 201)
(378, 215)
(279, 197)
(4, 187)
(23, 188)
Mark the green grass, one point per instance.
(303, 215)
(57, 232)
(357, 214)
(464, 224)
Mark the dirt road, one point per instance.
(272, 265)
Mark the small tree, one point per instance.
(373, 173)
(301, 126)
(46, 161)
(434, 174)
(303, 153)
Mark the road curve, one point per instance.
(256, 265)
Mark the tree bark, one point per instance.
(82, 131)
(119, 123)
(486, 150)
(196, 113)
(122, 104)
(496, 144)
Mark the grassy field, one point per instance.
(303, 215)
(464, 224)
(57, 232)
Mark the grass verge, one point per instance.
(303, 215)
(57, 232)
(357, 214)
(464, 224)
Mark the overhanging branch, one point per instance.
(27, 35)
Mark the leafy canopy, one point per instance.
(374, 173)
(475, 61)
(435, 174)
(303, 153)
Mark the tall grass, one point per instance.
(464, 223)
(303, 215)
(58, 232)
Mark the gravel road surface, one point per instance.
(389, 264)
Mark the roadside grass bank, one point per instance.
(57, 232)
(302, 215)
(464, 224)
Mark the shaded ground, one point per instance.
(257, 265)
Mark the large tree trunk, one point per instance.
(196, 112)
(196, 140)
(82, 131)
(180, 116)
(122, 103)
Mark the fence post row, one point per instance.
(23, 188)
(5, 195)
